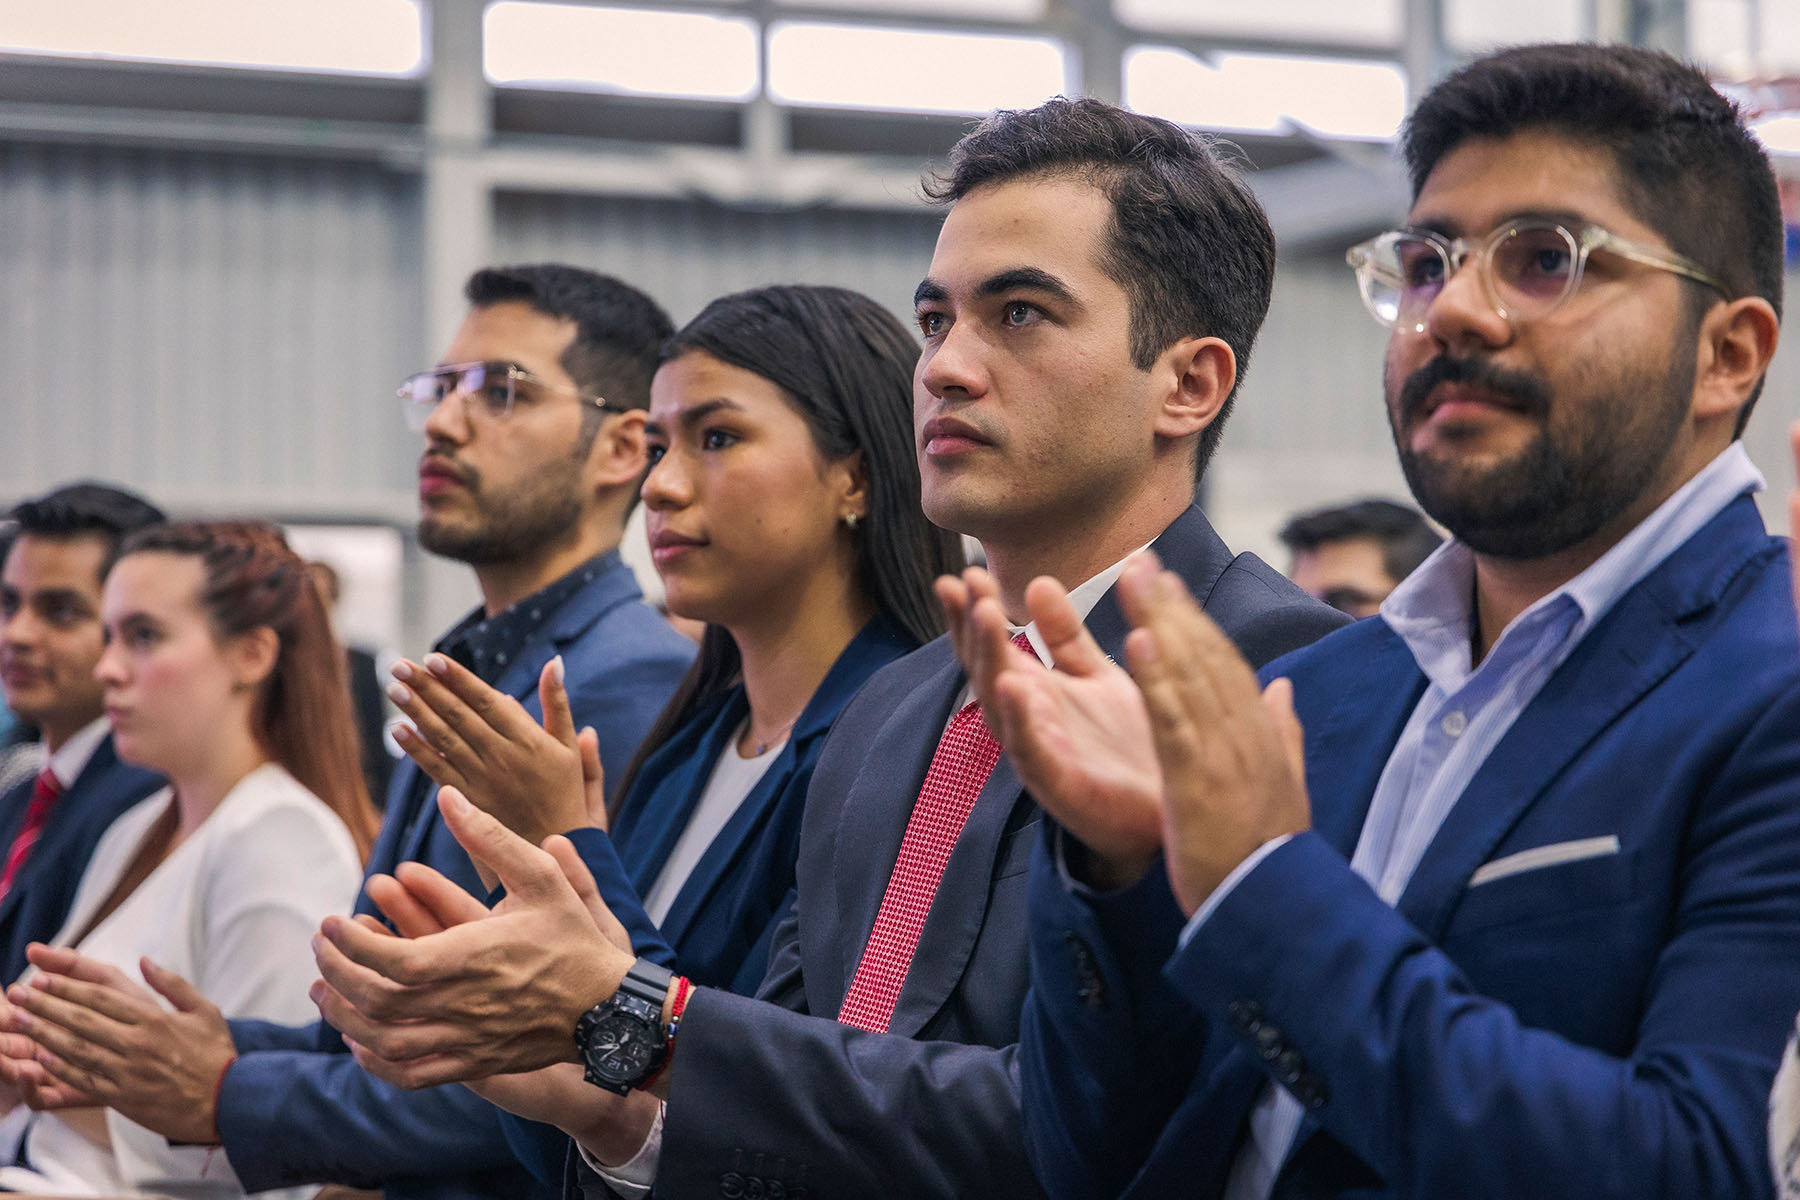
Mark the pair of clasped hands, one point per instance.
(1184, 755)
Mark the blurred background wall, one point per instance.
(229, 227)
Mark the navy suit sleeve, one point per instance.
(1107, 1048)
(543, 1148)
(290, 1117)
(1435, 1087)
(252, 1037)
(1442, 1090)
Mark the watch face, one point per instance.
(620, 1047)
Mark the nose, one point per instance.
(19, 627)
(110, 670)
(670, 483)
(448, 423)
(1463, 315)
(955, 365)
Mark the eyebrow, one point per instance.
(697, 413)
(54, 596)
(1015, 279)
(1449, 228)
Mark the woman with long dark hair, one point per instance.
(783, 511)
(220, 673)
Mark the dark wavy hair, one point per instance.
(846, 365)
(1188, 240)
(252, 580)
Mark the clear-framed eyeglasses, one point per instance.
(488, 389)
(1528, 268)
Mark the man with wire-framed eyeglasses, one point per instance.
(488, 389)
(1496, 894)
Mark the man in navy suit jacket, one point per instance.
(1516, 915)
(1075, 372)
(50, 642)
(534, 446)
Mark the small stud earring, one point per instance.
(850, 520)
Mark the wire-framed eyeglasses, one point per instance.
(1528, 268)
(490, 389)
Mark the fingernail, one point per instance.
(402, 669)
(556, 669)
(399, 693)
(437, 664)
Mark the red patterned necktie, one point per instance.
(44, 794)
(964, 759)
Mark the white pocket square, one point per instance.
(1545, 856)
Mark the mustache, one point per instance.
(1527, 392)
(465, 474)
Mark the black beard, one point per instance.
(541, 514)
(1549, 497)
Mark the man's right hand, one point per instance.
(1078, 734)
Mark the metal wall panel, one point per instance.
(686, 253)
(222, 331)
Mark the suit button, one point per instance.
(1245, 1015)
(1090, 988)
(731, 1185)
(1309, 1090)
(1289, 1066)
(1269, 1042)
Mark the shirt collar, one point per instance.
(1082, 598)
(71, 759)
(1432, 610)
(488, 645)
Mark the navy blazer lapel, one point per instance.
(1633, 648)
(1188, 547)
(1347, 748)
(103, 774)
(736, 839)
(873, 816)
(674, 777)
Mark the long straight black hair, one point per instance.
(846, 365)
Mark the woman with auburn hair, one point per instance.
(220, 673)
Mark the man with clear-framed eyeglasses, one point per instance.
(1497, 895)
(534, 448)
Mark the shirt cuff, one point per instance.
(633, 1178)
(1238, 872)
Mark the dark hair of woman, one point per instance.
(846, 366)
(302, 717)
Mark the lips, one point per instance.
(666, 544)
(951, 435)
(438, 475)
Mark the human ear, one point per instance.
(849, 477)
(619, 453)
(1200, 373)
(1737, 340)
(252, 655)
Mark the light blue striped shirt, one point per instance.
(1465, 711)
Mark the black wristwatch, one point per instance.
(621, 1039)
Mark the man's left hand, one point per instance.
(496, 992)
(106, 1040)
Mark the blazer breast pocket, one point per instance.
(1563, 881)
(1015, 850)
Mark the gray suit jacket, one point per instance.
(773, 1091)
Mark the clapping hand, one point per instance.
(494, 992)
(536, 779)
